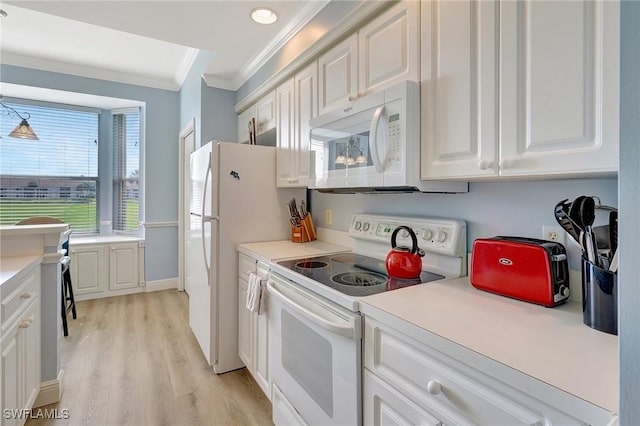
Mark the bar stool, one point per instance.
(67, 301)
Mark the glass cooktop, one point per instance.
(353, 274)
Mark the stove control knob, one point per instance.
(441, 236)
(427, 234)
(366, 226)
(358, 225)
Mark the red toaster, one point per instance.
(527, 269)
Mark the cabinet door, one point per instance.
(11, 374)
(306, 108)
(459, 92)
(286, 174)
(245, 327)
(559, 87)
(89, 271)
(338, 71)
(30, 353)
(123, 266)
(384, 406)
(261, 373)
(388, 48)
(266, 113)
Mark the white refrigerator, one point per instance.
(233, 200)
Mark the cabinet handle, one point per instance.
(361, 95)
(292, 180)
(434, 388)
(485, 164)
(26, 295)
(352, 98)
(25, 323)
(505, 163)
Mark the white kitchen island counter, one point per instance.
(552, 345)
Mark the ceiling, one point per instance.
(148, 43)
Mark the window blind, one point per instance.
(126, 161)
(54, 176)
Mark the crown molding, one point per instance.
(185, 65)
(50, 65)
(219, 83)
(348, 25)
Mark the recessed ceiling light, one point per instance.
(263, 15)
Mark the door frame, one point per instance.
(183, 202)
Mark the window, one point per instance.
(126, 173)
(56, 175)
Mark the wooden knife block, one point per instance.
(305, 232)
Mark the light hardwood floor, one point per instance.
(132, 360)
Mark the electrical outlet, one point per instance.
(554, 233)
(328, 216)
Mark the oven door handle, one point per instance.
(299, 305)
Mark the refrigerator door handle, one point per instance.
(205, 219)
(210, 218)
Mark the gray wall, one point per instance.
(160, 161)
(629, 290)
(212, 108)
(219, 120)
(490, 208)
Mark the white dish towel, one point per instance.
(254, 293)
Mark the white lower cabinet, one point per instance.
(409, 382)
(106, 269)
(21, 348)
(253, 328)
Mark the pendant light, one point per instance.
(345, 156)
(22, 130)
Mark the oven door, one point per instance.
(315, 357)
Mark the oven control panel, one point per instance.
(438, 235)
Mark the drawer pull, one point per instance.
(434, 388)
(26, 295)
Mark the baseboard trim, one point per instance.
(161, 285)
(50, 391)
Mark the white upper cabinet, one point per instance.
(383, 52)
(297, 103)
(264, 113)
(529, 91)
(338, 70)
(559, 87)
(388, 48)
(286, 175)
(459, 92)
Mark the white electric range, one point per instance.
(315, 328)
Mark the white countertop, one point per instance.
(550, 344)
(11, 267)
(285, 249)
(75, 240)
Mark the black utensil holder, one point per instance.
(599, 298)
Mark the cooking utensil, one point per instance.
(587, 213)
(574, 213)
(561, 212)
(613, 231)
(404, 262)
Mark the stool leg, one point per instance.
(69, 289)
(63, 312)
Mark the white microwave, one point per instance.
(372, 145)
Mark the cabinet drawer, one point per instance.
(19, 297)
(441, 385)
(246, 265)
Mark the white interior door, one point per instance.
(187, 146)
